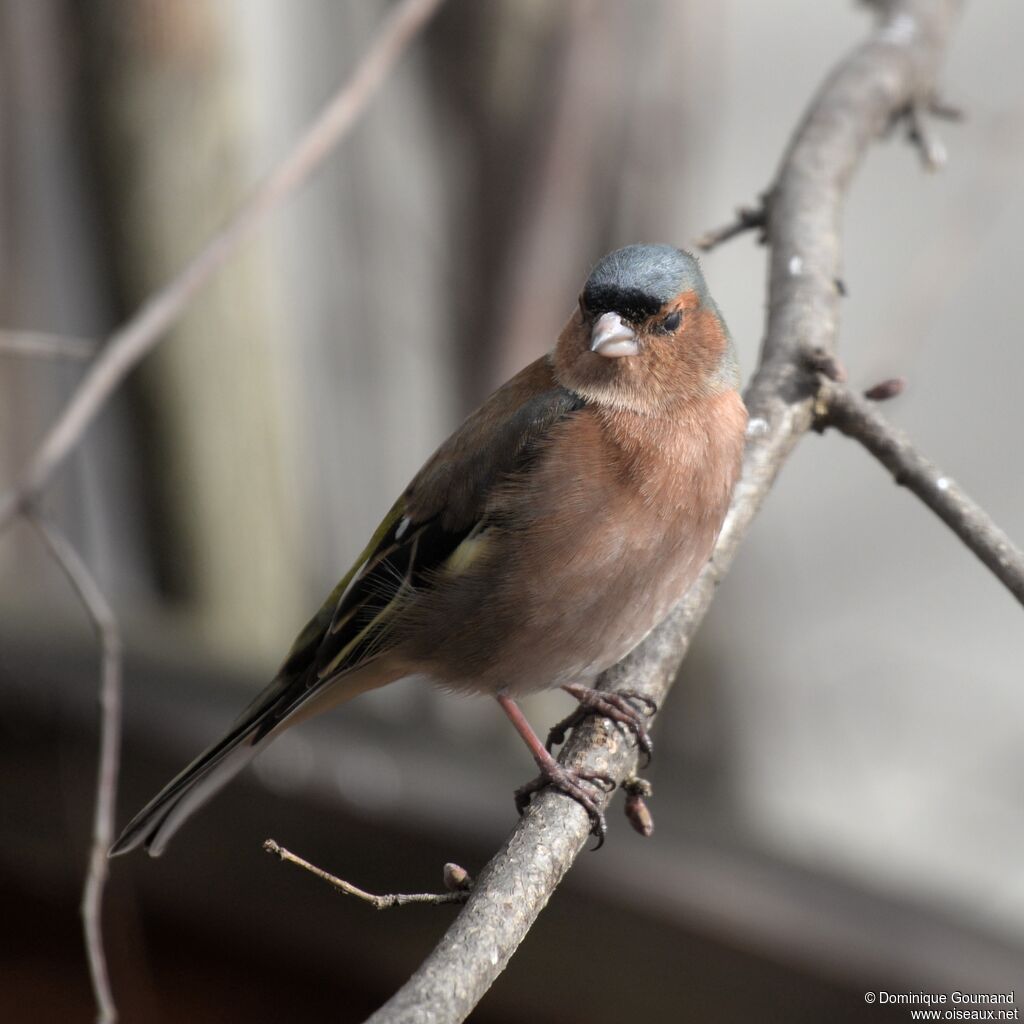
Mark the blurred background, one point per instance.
(839, 798)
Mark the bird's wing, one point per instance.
(432, 530)
(434, 526)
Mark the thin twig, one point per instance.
(896, 66)
(748, 218)
(826, 363)
(858, 419)
(931, 148)
(385, 902)
(944, 111)
(141, 333)
(43, 345)
(104, 622)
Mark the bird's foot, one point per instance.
(620, 707)
(574, 783)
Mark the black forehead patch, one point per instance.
(630, 303)
(636, 281)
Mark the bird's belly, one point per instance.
(569, 624)
(607, 623)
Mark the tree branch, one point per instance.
(858, 419)
(894, 68)
(928, 144)
(457, 881)
(43, 345)
(748, 218)
(121, 352)
(104, 622)
(128, 345)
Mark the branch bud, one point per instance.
(457, 878)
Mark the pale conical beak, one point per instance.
(612, 338)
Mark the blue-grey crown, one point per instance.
(637, 280)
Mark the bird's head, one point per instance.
(647, 334)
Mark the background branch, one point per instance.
(140, 334)
(748, 218)
(858, 419)
(894, 68)
(104, 622)
(43, 345)
(121, 352)
(456, 879)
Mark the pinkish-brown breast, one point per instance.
(604, 537)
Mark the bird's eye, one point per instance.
(672, 321)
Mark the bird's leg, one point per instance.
(616, 706)
(570, 781)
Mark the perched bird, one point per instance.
(540, 543)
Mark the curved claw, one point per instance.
(647, 704)
(557, 732)
(599, 779)
(570, 782)
(614, 705)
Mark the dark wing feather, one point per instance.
(445, 504)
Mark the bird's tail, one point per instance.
(282, 704)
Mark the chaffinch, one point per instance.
(540, 543)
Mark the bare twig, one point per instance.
(826, 363)
(895, 67)
(140, 334)
(920, 135)
(104, 622)
(914, 116)
(944, 111)
(459, 893)
(858, 419)
(748, 218)
(42, 345)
